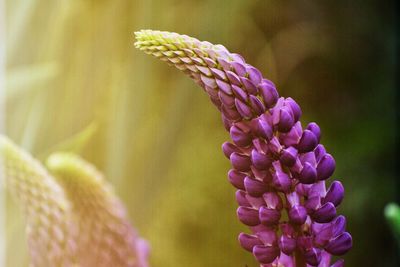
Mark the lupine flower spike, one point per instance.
(74, 219)
(50, 231)
(278, 166)
(101, 217)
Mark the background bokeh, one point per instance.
(75, 82)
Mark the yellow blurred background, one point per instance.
(75, 82)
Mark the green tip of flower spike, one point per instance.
(163, 40)
(170, 44)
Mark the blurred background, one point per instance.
(74, 81)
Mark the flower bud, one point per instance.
(248, 216)
(240, 162)
(254, 187)
(236, 178)
(288, 156)
(297, 215)
(326, 167)
(325, 213)
(335, 193)
(249, 241)
(340, 245)
(268, 93)
(240, 137)
(269, 216)
(308, 142)
(265, 254)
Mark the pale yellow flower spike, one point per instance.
(105, 236)
(50, 231)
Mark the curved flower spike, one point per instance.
(50, 230)
(271, 154)
(74, 220)
(102, 220)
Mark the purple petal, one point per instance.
(267, 236)
(281, 181)
(236, 178)
(249, 241)
(239, 68)
(240, 137)
(308, 142)
(224, 86)
(295, 108)
(325, 213)
(219, 74)
(227, 100)
(230, 113)
(286, 120)
(239, 93)
(314, 128)
(335, 193)
(288, 156)
(273, 200)
(210, 82)
(241, 198)
(249, 86)
(312, 203)
(229, 148)
(227, 122)
(254, 74)
(319, 152)
(297, 215)
(257, 105)
(269, 216)
(323, 236)
(313, 256)
(338, 225)
(264, 129)
(248, 216)
(326, 167)
(260, 160)
(243, 109)
(308, 174)
(287, 244)
(269, 94)
(265, 254)
(293, 136)
(340, 245)
(233, 78)
(254, 187)
(224, 64)
(240, 162)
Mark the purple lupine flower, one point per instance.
(279, 167)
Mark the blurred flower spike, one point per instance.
(73, 218)
(278, 166)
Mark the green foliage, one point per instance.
(392, 214)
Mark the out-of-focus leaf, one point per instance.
(24, 79)
(74, 143)
(392, 214)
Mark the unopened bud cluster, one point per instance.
(74, 219)
(279, 166)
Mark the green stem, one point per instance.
(299, 258)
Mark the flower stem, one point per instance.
(299, 259)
